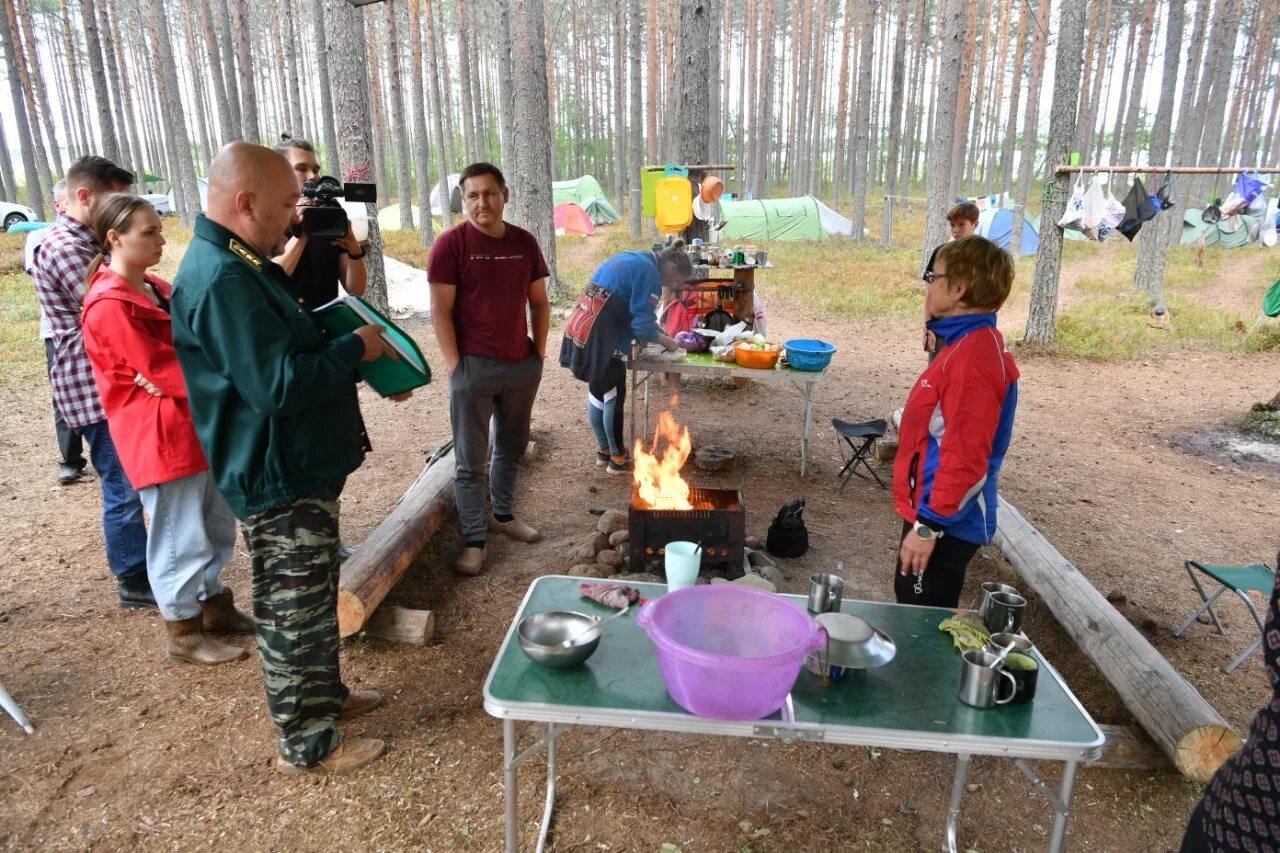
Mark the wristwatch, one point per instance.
(926, 531)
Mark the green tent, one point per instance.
(1243, 233)
(586, 193)
(771, 219)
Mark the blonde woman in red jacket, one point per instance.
(129, 340)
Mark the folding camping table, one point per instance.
(704, 365)
(910, 703)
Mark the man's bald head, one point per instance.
(252, 193)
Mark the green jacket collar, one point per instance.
(224, 238)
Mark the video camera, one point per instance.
(324, 218)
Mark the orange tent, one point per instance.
(570, 218)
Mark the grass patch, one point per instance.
(1263, 423)
(23, 351)
(1116, 328)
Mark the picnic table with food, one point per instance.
(737, 353)
(725, 659)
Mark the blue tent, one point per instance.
(996, 224)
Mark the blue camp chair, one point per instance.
(1241, 580)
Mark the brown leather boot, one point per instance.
(359, 702)
(188, 644)
(221, 617)
(351, 753)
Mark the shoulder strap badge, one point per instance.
(244, 254)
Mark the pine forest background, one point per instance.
(842, 99)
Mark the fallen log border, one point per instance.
(1186, 727)
(375, 566)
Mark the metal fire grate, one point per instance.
(718, 522)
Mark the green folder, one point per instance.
(387, 376)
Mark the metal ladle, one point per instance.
(599, 624)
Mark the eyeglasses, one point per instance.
(928, 277)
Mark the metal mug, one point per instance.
(980, 681)
(988, 589)
(825, 593)
(1025, 678)
(1005, 613)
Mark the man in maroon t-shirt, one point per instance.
(482, 275)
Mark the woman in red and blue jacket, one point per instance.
(128, 337)
(956, 425)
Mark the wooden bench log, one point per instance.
(1186, 727)
(370, 572)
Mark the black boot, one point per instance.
(135, 591)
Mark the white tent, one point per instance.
(455, 197)
(832, 222)
(389, 217)
(202, 184)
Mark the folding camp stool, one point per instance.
(868, 432)
(1241, 580)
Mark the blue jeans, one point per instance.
(122, 524)
(192, 536)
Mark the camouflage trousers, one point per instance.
(294, 550)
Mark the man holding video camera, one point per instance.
(313, 263)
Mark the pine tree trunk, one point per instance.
(506, 87)
(249, 124)
(167, 86)
(26, 139)
(764, 132)
(227, 129)
(1224, 42)
(921, 28)
(636, 203)
(107, 32)
(964, 103)
(422, 144)
(291, 70)
(1154, 240)
(1089, 113)
(446, 80)
(464, 73)
(862, 118)
(896, 95)
(842, 103)
(619, 138)
(1011, 127)
(97, 74)
(1124, 154)
(399, 125)
(969, 135)
(25, 15)
(474, 90)
(693, 94)
(72, 62)
(1031, 124)
(951, 33)
(8, 185)
(749, 94)
(999, 65)
(344, 26)
(327, 124)
(61, 87)
(531, 200)
(377, 136)
(437, 115)
(196, 63)
(1042, 318)
(41, 144)
(226, 43)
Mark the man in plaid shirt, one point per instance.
(60, 265)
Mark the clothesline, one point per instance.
(1175, 170)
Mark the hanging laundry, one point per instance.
(1138, 209)
(1072, 219)
(1246, 195)
(1164, 195)
(1095, 203)
(1114, 211)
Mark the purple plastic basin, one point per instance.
(729, 652)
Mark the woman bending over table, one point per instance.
(619, 304)
(128, 336)
(956, 425)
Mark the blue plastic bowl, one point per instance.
(809, 354)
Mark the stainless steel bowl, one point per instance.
(852, 643)
(542, 637)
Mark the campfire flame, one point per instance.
(657, 478)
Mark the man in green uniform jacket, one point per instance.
(273, 408)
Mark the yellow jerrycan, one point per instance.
(674, 197)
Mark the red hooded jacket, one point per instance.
(126, 334)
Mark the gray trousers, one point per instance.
(480, 390)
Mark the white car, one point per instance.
(162, 204)
(12, 214)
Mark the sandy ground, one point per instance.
(132, 751)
